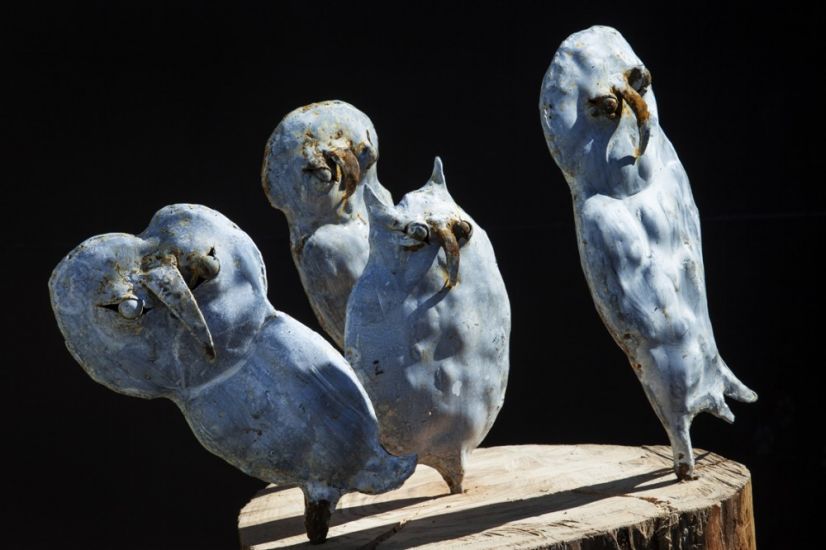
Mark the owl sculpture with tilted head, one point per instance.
(180, 311)
(638, 230)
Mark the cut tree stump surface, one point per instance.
(532, 496)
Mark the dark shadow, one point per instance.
(699, 457)
(451, 526)
(292, 526)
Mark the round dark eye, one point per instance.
(462, 230)
(210, 266)
(326, 173)
(417, 231)
(131, 308)
(640, 79)
(607, 105)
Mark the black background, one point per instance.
(112, 112)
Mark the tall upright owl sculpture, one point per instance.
(428, 328)
(317, 163)
(180, 311)
(638, 230)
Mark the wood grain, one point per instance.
(532, 496)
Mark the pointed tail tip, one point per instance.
(386, 473)
(723, 412)
(402, 467)
(739, 391)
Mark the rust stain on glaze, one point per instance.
(317, 163)
(638, 230)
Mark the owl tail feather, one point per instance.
(736, 389)
(722, 411)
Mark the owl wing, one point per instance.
(334, 432)
(318, 384)
(646, 272)
(330, 262)
(634, 293)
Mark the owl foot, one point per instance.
(685, 471)
(452, 471)
(681, 448)
(317, 519)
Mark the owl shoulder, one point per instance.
(340, 248)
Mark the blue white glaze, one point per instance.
(638, 230)
(428, 328)
(180, 311)
(317, 163)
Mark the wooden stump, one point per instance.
(532, 496)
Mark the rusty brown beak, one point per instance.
(348, 163)
(167, 284)
(452, 236)
(451, 248)
(637, 104)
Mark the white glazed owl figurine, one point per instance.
(638, 230)
(181, 311)
(317, 163)
(428, 328)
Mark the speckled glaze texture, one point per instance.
(181, 311)
(638, 229)
(317, 163)
(428, 328)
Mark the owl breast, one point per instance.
(642, 261)
(434, 360)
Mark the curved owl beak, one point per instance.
(449, 235)
(639, 107)
(350, 168)
(167, 284)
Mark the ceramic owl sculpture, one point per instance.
(180, 311)
(317, 163)
(638, 230)
(428, 328)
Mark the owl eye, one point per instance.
(202, 268)
(323, 175)
(640, 79)
(212, 266)
(329, 172)
(462, 230)
(607, 106)
(131, 308)
(417, 231)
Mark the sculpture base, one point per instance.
(532, 496)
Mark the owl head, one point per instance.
(315, 160)
(152, 314)
(426, 224)
(597, 109)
